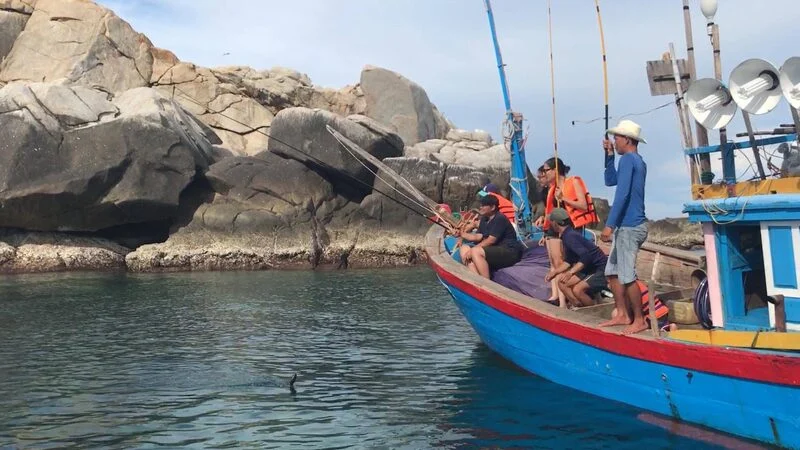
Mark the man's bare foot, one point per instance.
(616, 321)
(636, 327)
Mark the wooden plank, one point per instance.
(789, 185)
(771, 340)
(661, 78)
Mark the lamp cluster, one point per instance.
(755, 86)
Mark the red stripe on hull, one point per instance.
(767, 368)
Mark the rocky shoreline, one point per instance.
(119, 156)
(32, 252)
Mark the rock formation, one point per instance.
(119, 155)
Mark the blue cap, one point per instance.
(490, 187)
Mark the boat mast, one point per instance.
(519, 172)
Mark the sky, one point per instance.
(445, 46)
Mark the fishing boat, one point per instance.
(742, 374)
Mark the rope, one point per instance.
(313, 158)
(412, 200)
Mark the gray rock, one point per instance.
(305, 130)
(382, 204)
(82, 42)
(457, 135)
(12, 22)
(130, 169)
(257, 194)
(396, 100)
(73, 106)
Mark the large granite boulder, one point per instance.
(77, 161)
(464, 148)
(301, 134)
(14, 15)
(80, 41)
(240, 103)
(261, 194)
(395, 100)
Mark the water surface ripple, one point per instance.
(384, 360)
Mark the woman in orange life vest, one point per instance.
(569, 193)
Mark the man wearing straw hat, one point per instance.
(626, 223)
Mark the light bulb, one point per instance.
(711, 101)
(709, 9)
(757, 86)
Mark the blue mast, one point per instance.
(519, 174)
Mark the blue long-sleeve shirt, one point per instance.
(627, 210)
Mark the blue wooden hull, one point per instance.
(747, 393)
(766, 412)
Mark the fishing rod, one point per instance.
(420, 199)
(313, 158)
(553, 93)
(605, 72)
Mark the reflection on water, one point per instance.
(383, 358)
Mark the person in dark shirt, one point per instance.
(497, 244)
(582, 273)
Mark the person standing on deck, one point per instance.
(497, 245)
(626, 223)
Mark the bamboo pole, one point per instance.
(683, 113)
(702, 133)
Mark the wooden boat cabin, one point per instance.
(752, 243)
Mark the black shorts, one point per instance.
(499, 257)
(597, 280)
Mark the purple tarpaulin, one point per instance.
(527, 276)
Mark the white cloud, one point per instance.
(445, 46)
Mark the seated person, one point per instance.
(582, 273)
(506, 207)
(497, 245)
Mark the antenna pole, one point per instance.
(519, 172)
(728, 164)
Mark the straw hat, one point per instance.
(628, 128)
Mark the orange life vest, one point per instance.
(506, 207)
(578, 217)
(660, 307)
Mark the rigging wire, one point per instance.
(313, 158)
(649, 111)
(373, 172)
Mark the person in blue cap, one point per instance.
(506, 207)
(496, 241)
